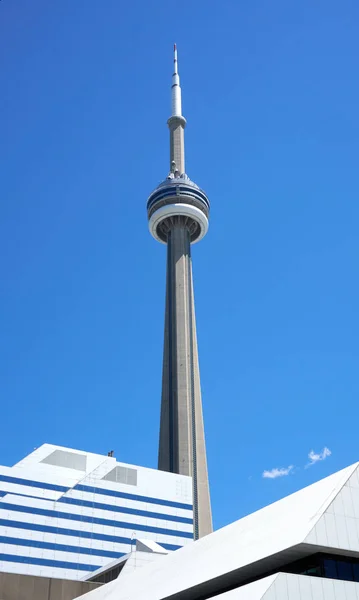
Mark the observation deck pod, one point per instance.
(178, 197)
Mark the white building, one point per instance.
(66, 513)
(304, 547)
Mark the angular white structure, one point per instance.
(304, 547)
(142, 553)
(65, 513)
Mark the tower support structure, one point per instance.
(178, 212)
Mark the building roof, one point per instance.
(259, 542)
(296, 587)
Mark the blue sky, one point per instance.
(271, 95)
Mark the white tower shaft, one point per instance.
(176, 89)
(176, 123)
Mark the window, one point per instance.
(355, 571)
(314, 571)
(330, 568)
(345, 570)
(326, 565)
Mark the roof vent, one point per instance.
(122, 475)
(70, 460)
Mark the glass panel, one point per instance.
(356, 572)
(330, 568)
(313, 571)
(345, 571)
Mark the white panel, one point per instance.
(355, 498)
(316, 584)
(29, 501)
(353, 481)
(352, 534)
(270, 594)
(16, 488)
(331, 530)
(319, 534)
(350, 590)
(338, 506)
(342, 534)
(330, 588)
(348, 503)
(305, 588)
(352, 523)
(293, 587)
(280, 588)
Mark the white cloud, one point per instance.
(316, 457)
(274, 473)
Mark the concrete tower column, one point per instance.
(176, 126)
(182, 445)
(178, 213)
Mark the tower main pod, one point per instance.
(178, 212)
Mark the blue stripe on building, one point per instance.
(2, 494)
(37, 484)
(111, 507)
(96, 520)
(125, 510)
(75, 533)
(97, 490)
(93, 490)
(4, 539)
(44, 562)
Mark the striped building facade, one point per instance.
(65, 513)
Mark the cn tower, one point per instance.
(178, 212)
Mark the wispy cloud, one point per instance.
(315, 457)
(274, 473)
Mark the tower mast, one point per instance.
(176, 123)
(178, 212)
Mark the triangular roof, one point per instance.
(263, 535)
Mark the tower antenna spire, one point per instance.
(176, 88)
(175, 58)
